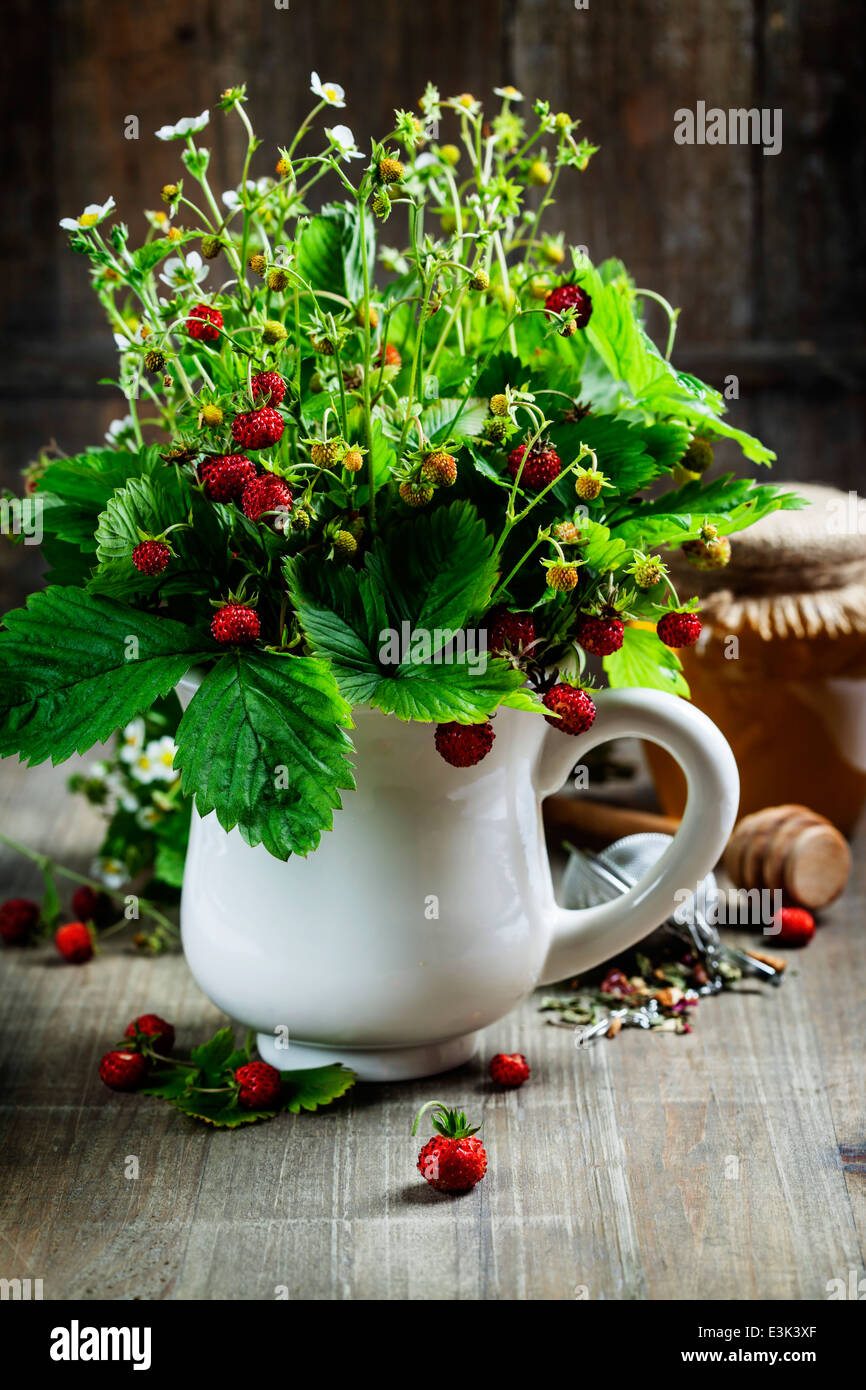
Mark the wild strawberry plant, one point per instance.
(414, 411)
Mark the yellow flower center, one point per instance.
(331, 93)
(466, 100)
(88, 219)
(510, 91)
(167, 757)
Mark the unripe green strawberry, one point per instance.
(278, 280)
(647, 571)
(539, 173)
(562, 577)
(450, 154)
(698, 456)
(169, 192)
(273, 332)
(353, 461)
(301, 519)
(499, 404)
(257, 264)
(390, 170)
(566, 533)
(381, 205)
(345, 543)
(497, 430)
(210, 247)
(324, 452)
(323, 346)
(439, 469)
(154, 361)
(480, 281)
(713, 553)
(415, 494)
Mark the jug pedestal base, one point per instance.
(371, 1063)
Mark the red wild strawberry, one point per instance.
(454, 1159)
(18, 918)
(204, 323)
(575, 709)
(266, 494)
(122, 1071)
(235, 624)
(570, 297)
(151, 557)
(225, 478)
(90, 906)
(158, 1033)
(509, 1069)
(258, 429)
(599, 636)
(542, 466)
(74, 942)
(679, 629)
(269, 386)
(512, 633)
(797, 926)
(464, 745)
(392, 356)
(260, 1086)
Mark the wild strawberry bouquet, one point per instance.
(405, 449)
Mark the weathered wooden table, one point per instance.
(728, 1164)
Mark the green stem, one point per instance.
(368, 423)
(43, 862)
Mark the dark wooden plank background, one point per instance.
(765, 253)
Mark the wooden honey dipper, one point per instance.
(791, 848)
(787, 847)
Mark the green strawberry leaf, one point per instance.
(75, 667)
(620, 447)
(264, 744)
(76, 490)
(308, 1090)
(143, 505)
(644, 660)
(329, 251)
(727, 502)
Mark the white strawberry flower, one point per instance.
(112, 872)
(92, 215)
(160, 753)
(188, 125)
(132, 741)
(343, 140)
(121, 431)
(184, 270)
(509, 93)
(147, 817)
(331, 92)
(125, 798)
(232, 196)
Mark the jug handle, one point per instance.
(584, 937)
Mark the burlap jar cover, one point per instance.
(781, 663)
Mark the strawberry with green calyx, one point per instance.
(439, 468)
(454, 1160)
(589, 483)
(561, 575)
(709, 550)
(679, 625)
(325, 452)
(236, 622)
(646, 570)
(353, 459)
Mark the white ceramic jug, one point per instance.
(428, 912)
